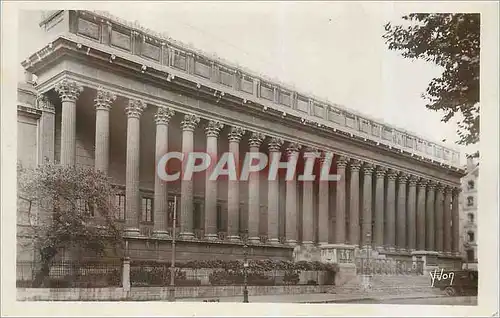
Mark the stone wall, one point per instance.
(203, 250)
(158, 293)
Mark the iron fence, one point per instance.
(64, 274)
(374, 266)
(158, 274)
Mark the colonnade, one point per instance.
(386, 208)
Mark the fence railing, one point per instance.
(374, 266)
(71, 274)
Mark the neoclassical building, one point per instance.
(112, 95)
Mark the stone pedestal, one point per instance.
(337, 253)
(306, 252)
(429, 258)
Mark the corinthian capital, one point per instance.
(275, 144)
(68, 90)
(402, 178)
(422, 183)
(104, 99)
(342, 162)
(381, 171)
(392, 174)
(413, 180)
(235, 134)
(368, 168)
(213, 128)
(355, 165)
(135, 108)
(163, 115)
(293, 148)
(45, 104)
(190, 122)
(256, 139)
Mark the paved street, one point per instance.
(416, 299)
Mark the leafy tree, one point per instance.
(67, 199)
(452, 42)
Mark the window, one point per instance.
(470, 185)
(470, 201)
(219, 219)
(197, 215)
(470, 236)
(146, 209)
(470, 255)
(470, 217)
(120, 206)
(85, 207)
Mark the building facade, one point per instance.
(117, 97)
(468, 213)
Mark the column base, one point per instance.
(291, 242)
(402, 250)
(379, 249)
(160, 234)
(234, 238)
(254, 239)
(273, 241)
(211, 237)
(307, 242)
(391, 249)
(187, 236)
(131, 232)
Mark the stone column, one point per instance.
(188, 126)
(275, 145)
(447, 220)
(429, 217)
(366, 226)
(439, 217)
(401, 213)
(421, 214)
(354, 203)
(308, 203)
(212, 131)
(134, 111)
(162, 119)
(103, 103)
(69, 91)
(412, 215)
(390, 217)
(379, 208)
(47, 130)
(255, 141)
(455, 225)
(233, 194)
(324, 198)
(291, 197)
(340, 224)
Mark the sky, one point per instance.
(333, 50)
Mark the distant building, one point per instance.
(468, 213)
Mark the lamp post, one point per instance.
(245, 266)
(171, 289)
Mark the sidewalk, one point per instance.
(312, 298)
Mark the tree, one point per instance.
(75, 210)
(451, 41)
